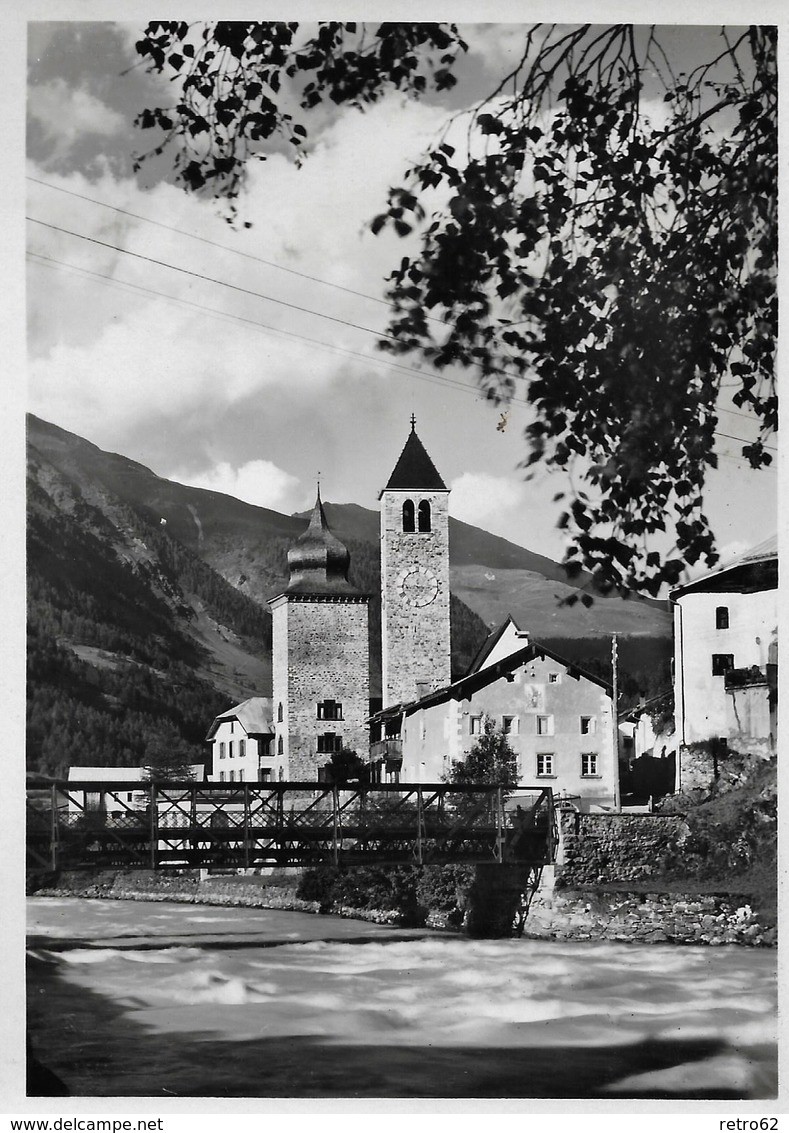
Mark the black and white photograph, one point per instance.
(400, 538)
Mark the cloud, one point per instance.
(258, 482)
(111, 356)
(65, 115)
(491, 502)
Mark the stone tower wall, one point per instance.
(415, 639)
(320, 652)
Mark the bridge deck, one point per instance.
(199, 825)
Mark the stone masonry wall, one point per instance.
(600, 848)
(321, 652)
(647, 918)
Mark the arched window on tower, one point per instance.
(280, 715)
(424, 515)
(408, 516)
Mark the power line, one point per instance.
(435, 379)
(228, 316)
(231, 286)
(742, 440)
(218, 244)
(267, 298)
(210, 279)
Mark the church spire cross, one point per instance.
(413, 423)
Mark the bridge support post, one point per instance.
(55, 831)
(495, 899)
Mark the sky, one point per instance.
(245, 359)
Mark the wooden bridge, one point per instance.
(73, 825)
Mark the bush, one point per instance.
(443, 888)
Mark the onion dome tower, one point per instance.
(318, 561)
(321, 682)
(414, 576)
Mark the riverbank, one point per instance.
(693, 915)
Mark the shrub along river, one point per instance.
(157, 999)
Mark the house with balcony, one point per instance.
(242, 744)
(557, 719)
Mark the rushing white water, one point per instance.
(318, 1006)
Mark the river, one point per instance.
(148, 999)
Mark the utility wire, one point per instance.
(260, 295)
(210, 279)
(218, 244)
(224, 283)
(743, 440)
(435, 379)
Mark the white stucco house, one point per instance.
(557, 718)
(726, 654)
(242, 747)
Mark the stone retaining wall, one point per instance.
(646, 918)
(599, 848)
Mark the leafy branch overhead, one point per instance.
(603, 240)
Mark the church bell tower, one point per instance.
(414, 577)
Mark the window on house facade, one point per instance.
(221, 751)
(545, 725)
(330, 710)
(280, 714)
(475, 726)
(554, 678)
(264, 774)
(589, 763)
(232, 776)
(242, 748)
(329, 742)
(221, 776)
(588, 725)
(509, 725)
(409, 521)
(280, 746)
(281, 774)
(424, 515)
(230, 750)
(721, 663)
(722, 617)
(241, 774)
(544, 764)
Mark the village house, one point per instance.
(242, 747)
(556, 717)
(726, 659)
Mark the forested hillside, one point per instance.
(135, 642)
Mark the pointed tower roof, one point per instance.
(415, 469)
(318, 561)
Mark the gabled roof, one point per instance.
(415, 469)
(492, 640)
(255, 716)
(756, 569)
(473, 682)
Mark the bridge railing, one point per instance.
(73, 824)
